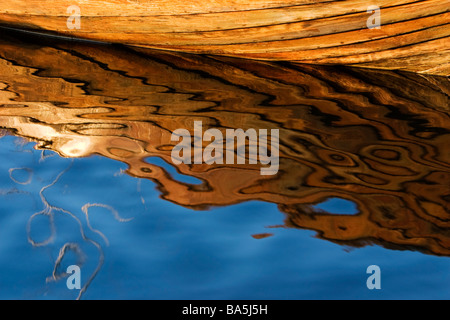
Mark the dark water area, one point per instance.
(87, 177)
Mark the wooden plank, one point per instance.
(319, 32)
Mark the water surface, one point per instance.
(86, 168)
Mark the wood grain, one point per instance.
(414, 35)
(376, 138)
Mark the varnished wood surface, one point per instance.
(414, 35)
(376, 138)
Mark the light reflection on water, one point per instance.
(364, 164)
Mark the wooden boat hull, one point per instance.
(414, 35)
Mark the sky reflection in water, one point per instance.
(168, 252)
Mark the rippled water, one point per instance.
(86, 168)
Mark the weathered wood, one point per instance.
(377, 138)
(414, 35)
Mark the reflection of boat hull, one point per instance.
(414, 35)
(376, 138)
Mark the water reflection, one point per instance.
(377, 139)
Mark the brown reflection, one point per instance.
(376, 138)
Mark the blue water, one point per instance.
(170, 252)
(337, 206)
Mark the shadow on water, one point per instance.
(375, 140)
